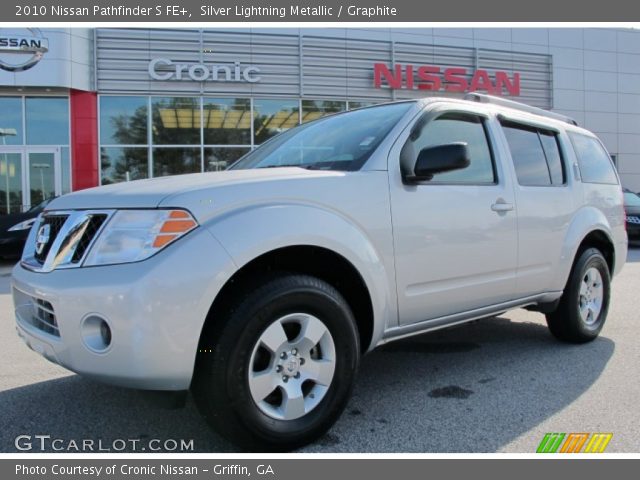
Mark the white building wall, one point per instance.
(596, 78)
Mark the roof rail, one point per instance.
(503, 102)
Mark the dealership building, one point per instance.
(82, 107)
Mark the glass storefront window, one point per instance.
(314, 109)
(227, 121)
(123, 164)
(11, 121)
(10, 183)
(123, 120)
(272, 117)
(175, 161)
(216, 159)
(359, 104)
(65, 169)
(176, 120)
(41, 177)
(181, 125)
(47, 121)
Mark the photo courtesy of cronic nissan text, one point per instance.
(315, 229)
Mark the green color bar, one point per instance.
(550, 443)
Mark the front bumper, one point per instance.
(155, 310)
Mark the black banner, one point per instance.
(201, 11)
(315, 468)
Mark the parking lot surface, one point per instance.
(496, 385)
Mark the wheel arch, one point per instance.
(596, 238)
(312, 260)
(588, 228)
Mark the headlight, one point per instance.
(133, 235)
(26, 225)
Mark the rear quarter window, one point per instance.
(593, 160)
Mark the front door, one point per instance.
(28, 176)
(456, 235)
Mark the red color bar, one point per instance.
(84, 139)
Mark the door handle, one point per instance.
(501, 206)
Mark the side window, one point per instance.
(549, 142)
(536, 155)
(593, 160)
(460, 127)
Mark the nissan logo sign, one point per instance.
(165, 69)
(21, 52)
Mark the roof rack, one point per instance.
(503, 102)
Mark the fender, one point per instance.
(585, 221)
(249, 232)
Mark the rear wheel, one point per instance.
(282, 363)
(584, 305)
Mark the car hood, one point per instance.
(160, 191)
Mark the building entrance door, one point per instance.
(28, 176)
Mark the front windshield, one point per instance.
(339, 142)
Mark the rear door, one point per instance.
(545, 201)
(455, 236)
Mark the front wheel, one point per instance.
(282, 363)
(584, 305)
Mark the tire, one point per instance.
(584, 304)
(310, 322)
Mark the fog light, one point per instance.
(96, 333)
(105, 333)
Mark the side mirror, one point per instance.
(440, 159)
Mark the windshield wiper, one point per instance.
(299, 165)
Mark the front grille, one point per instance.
(55, 223)
(64, 238)
(94, 225)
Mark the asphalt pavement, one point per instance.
(496, 385)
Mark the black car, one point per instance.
(632, 209)
(14, 230)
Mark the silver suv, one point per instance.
(260, 287)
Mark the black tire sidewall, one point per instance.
(229, 389)
(590, 258)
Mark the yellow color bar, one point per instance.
(598, 442)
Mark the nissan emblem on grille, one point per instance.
(43, 238)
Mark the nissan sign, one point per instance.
(453, 79)
(166, 69)
(21, 52)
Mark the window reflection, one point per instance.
(314, 109)
(175, 161)
(227, 121)
(222, 125)
(272, 117)
(11, 121)
(41, 177)
(10, 183)
(65, 166)
(353, 104)
(47, 120)
(216, 159)
(123, 120)
(123, 164)
(176, 120)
